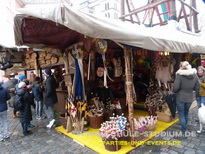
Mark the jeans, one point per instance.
(49, 112)
(200, 100)
(25, 127)
(39, 107)
(3, 117)
(183, 110)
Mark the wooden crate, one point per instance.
(166, 117)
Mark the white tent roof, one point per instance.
(164, 38)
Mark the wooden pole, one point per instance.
(122, 9)
(173, 12)
(129, 89)
(195, 19)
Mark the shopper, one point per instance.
(25, 113)
(186, 82)
(50, 97)
(38, 96)
(201, 94)
(4, 97)
(21, 77)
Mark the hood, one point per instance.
(21, 92)
(189, 72)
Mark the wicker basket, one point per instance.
(108, 114)
(118, 112)
(63, 120)
(152, 127)
(95, 122)
(111, 145)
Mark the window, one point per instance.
(115, 6)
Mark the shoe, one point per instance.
(17, 113)
(38, 118)
(51, 123)
(27, 133)
(15, 116)
(30, 126)
(1, 140)
(6, 137)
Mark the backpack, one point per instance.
(18, 102)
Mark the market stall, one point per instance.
(103, 53)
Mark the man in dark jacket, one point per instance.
(50, 97)
(4, 97)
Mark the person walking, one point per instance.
(186, 82)
(25, 113)
(38, 96)
(4, 97)
(21, 77)
(50, 97)
(200, 96)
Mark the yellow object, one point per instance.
(92, 139)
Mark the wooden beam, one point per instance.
(151, 19)
(172, 8)
(122, 9)
(160, 19)
(195, 19)
(136, 15)
(192, 8)
(128, 6)
(129, 89)
(180, 13)
(190, 19)
(143, 8)
(185, 17)
(145, 16)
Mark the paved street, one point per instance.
(46, 141)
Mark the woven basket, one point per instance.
(112, 147)
(95, 122)
(152, 127)
(118, 112)
(63, 120)
(108, 114)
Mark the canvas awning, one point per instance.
(60, 26)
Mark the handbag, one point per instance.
(171, 102)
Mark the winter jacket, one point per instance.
(186, 82)
(26, 114)
(202, 83)
(37, 91)
(50, 91)
(4, 96)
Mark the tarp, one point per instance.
(165, 38)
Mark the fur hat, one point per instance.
(21, 77)
(22, 85)
(185, 65)
(48, 71)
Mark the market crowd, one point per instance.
(23, 97)
(188, 82)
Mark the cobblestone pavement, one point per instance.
(45, 141)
